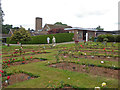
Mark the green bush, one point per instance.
(42, 39)
(111, 38)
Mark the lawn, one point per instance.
(57, 69)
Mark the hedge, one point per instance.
(111, 38)
(42, 39)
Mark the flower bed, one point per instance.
(91, 69)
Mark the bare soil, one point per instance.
(100, 71)
(19, 77)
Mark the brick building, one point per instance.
(82, 34)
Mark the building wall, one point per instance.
(80, 35)
(45, 28)
(75, 35)
(91, 34)
(38, 25)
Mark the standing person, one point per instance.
(53, 41)
(48, 40)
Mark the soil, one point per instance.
(19, 77)
(100, 71)
(95, 57)
(25, 62)
(25, 55)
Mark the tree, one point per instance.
(21, 35)
(6, 28)
(99, 28)
(60, 23)
(1, 17)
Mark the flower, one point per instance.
(103, 48)
(65, 56)
(49, 81)
(33, 51)
(3, 61)
(23, 61)
(8, 77)
(16, 49)
(31, 57)
(1, 71)
(0, 54)
(13, 59)
(112, 50)
(78, 60)
(97, 88)
(103, 84)
(8, 60)
(69, 78)
(102, 61)
(81, 46)
(0, 75)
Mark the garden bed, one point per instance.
(94, 70)
(16, 78)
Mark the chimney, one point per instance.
(38, 23)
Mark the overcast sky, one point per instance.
(76, 13)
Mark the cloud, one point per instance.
(90, 13)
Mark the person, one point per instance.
(53, 41)
(48, 40)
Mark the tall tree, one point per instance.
(60, 23)
(6, 28)
(99, 28)
(1, 17)
(21, 35)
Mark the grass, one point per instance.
(55, 75)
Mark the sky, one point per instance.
(75, 13)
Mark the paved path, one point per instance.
(39, 44)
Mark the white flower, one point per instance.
(6, 81)
(85, 53)
(48, 62)
(16, 49)
(97, 88)
(69, 78)
(102, 61)
(103, 84)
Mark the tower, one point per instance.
(38, 23)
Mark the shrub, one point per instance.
(111, 38)
(42, 39)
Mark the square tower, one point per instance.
(38, 23)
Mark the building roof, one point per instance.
(52, 26)
(79, 28)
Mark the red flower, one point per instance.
(3, 61)
(112, 50)
(8, 77)
(104, 49)
(0, 54)
(81, 46)
(23, 61)
(8, 64)
(8, 60)
(1, 71)
(0, 75)
(13, 59)
(33, 51)
(31, 57)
